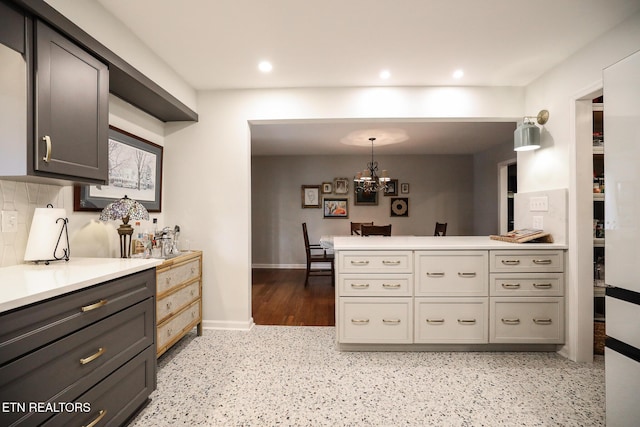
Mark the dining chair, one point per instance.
(355, 227)
(441, 229)
(376, 230)
(314, 257)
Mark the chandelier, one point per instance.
(368, 180)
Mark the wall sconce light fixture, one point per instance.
(526, 137)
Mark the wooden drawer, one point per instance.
(177, 275)
(173, 329)
(28, 328)
(63, 370)
(451, 320)
(535, 320)
(451, 273)
(375, 262)
(117, 397)
(173, 303)
(375, 285)
(527, 260)
(526, 284)
(375, 320)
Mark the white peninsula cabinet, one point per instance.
(448, 293)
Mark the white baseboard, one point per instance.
(228, 325)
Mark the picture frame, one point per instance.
(404, 188)
(399, 206)
(341, 186)
(364, 198)
(135, 171)
(392, 188)
(327, 187)
(310, 196)
(335, 208)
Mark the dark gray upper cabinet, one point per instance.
(71, 109)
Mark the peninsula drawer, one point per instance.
(172, 303)
(530, 320)
(31, 327)
(451, 320)
(177, 275)
(375, 262)
(172, 330)
(63, 370)
(451, 273)
(375, 285)
(529, 260)
(376, 320)
(527, 284)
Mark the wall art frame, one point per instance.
(310, 195)
(335, 208)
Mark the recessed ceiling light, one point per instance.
(265, 66)
(385, 74)
(457, 74)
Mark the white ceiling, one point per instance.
(217, 44)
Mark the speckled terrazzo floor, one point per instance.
(294, 376)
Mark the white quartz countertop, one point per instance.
(348, 243)
(25, 284)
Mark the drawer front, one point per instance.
(116, 398)
(32, 327)
(182, 322)
(375, 285)
(375, 262)
(527, 284)
(376, 320)
(68, 367)
(452, 320)
(176, 301)
(529, 260)
(177, 275)
(535, 320)
(451, 273)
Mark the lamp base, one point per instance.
(125, 231)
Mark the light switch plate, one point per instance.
(539, 204)
(538, 223)
(9, 221)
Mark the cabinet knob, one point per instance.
(169, 304)
(47, 156)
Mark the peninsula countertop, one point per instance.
(416, 243)
(25, 284)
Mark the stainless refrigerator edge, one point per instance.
(622, 240)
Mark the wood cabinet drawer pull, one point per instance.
(435, 321)
(193, 270)
(467, 321)
(435, 274)
(193, 292)
(391, 321)
(510, 261)
(94, 305)
(542, 285)
(169, 305)
(359, 262)
(542, 261)
(360, 285)
(47, 156)
(511, 321)
(93, 357)
(387, 262)
(466, 274)
(360, 321)
(391, 285)
(546, 321)
(511, 285)
(100, 416)
(168, 280)
(169, 332)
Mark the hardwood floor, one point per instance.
(279, 298)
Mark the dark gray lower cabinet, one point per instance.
(86, 356)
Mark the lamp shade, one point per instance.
(124, 208)
(526, 137)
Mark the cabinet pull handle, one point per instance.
(467, 321)
(47, 140)
(359, 262)
(391, 285)
(466, 274)
(168, 280)
(169, 332)
(511, 285)
(360, 321)
(511, 321)
(360, 285)
(100, 416)
(93, 357)
(435, 321)
(169, 304)
(435, 274)
(542, 285)
(542, 261)
(94, 305)
(387, 262)
(546, 321)
(391, 321)
(510, 261)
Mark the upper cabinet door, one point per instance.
(71, 109)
